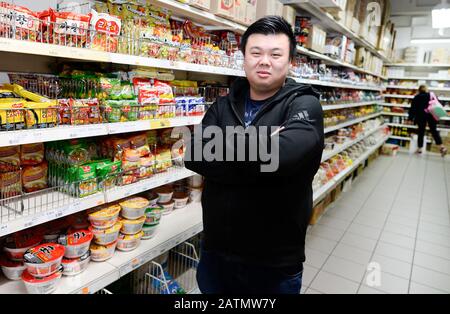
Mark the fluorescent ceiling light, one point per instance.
(430, 41)
(441, 15)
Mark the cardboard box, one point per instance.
(201, 4)
(350, 12)
(316, 39)
(316, 213)
(250, 15)
(289, 14)
(222, 8)
(268, 7)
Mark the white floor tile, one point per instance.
(426, 226)
(334, 223)
(405, 213)
(402, 220)
(368, 232)
(417, 288)
(309, 272)
(393, 266)
(433, 249)
(432, 262)
(303, 289)
(352, 254)
(397, 239)
(366, 290)
(312, 291)
(433, 238)
(375, 213)
(332, 284)
(400, 229)
(412, 204)
(369, 221)
(320, 244)
(431, 278)
(344, 268)
(444, 221)
(394, 251)
(391, 284)
(315, 258)
(327, 232)
(359, 241)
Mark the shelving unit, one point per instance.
(418, 65)
(350, 105)
(351, 122)
(419, 78)
(437, 89)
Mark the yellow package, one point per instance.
(19, 90)
(42, 114)
(12, 113)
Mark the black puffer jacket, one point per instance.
(262, 217)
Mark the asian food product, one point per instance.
(32, 154)
(180, 199)
(149, 231)
(105, 217)
(44, 260)
(153, 214)
(129, 242)
(42, 285)
(106, 236)
(168, 207)
(132, 226)
(34, 178)
(17, 244)
(133, 208)
(12, 270)
(72, 267)
(76, 243)
(100, 253)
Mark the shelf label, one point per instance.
(159, 123)
(85, 290)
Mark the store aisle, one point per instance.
(397, 215)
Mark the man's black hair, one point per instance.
(271, 25)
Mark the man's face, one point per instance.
(266, 61)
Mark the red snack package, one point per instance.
(25, 22)
(106, 31)
(71, 29)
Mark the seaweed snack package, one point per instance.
(130, 110)
(23, 21)
(75, 152)
(107, 29)
(32, 154)
(139, 143)
(112, 110)
(9, 156)
(83, 180)
(34, 178)
(71, 29)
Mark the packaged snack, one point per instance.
(32, 154)
(12, 270)
(164, 92)
(44, 260)
(163, 159)
(12, 115)
(104, 217)
(34, 178)
(107, 28)
(10, 182)
(41, 115)
(75, 152)
(9, 155)
(106, 236)
(72, 267)
(16, 245)
(147, 167)
(100, 253)
(107, 173)
(25, 23)
(70, 29)
(129, 242)
(132, 226)
(83, 180)
(130, 159)
(76, 243)
(139, 143)
(42, 285)
(133, 208)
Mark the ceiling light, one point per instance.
(441, 15)
(430, 41)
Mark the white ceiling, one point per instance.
(413, 7)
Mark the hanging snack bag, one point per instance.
(34, 178)
(107, 29)
(32, 154)
(71, 29)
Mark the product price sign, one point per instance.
(159, 123)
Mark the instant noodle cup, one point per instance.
(106, 236)
(153, 198)
(134, 207)
(42, 285)
(132, 226)
(44, 260)
(12, 270)
(153, 215)
(73, 267)
(168, 207)
(129, 242)
(100, 253)
(165, 194)
(16, 245)
(149, 231)
(105, 218)
(180, 199)
(76, 243)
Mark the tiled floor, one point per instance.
(390, 233)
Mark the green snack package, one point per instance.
(83, 180)
(107, 173)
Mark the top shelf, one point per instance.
(417, 78)
(331, 61)
(419, 65)
(330, 23)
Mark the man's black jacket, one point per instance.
(262, 217)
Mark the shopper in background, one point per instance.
(419, 116)
(255, 222)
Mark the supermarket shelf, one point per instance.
(386, 104)
(419, 78)
(438, 89)
(419, 65)
(324, 190)
(346, 145)
(73, 205)
(413, 126)
(399, 96)
(70, 205)
(343, 106)
(348, 123)
(330, 23)
(160, 179)
(403, 138)
(331, 61)
(397, 114)
(175, 228)
(339, 85)
(66, 132)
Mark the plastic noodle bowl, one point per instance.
(129, 242)
(132, 226)
(76, 243)
(105, 218)
(100, 253)
(153, 199)
(42, 285)
(73, 267)
(180, 199)
(16, 246)
(12, 270)
(153, 215)
(168, 207)
(149, 231)
(134, 208)
(106, 236)
(164, 194)
(44, 260)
